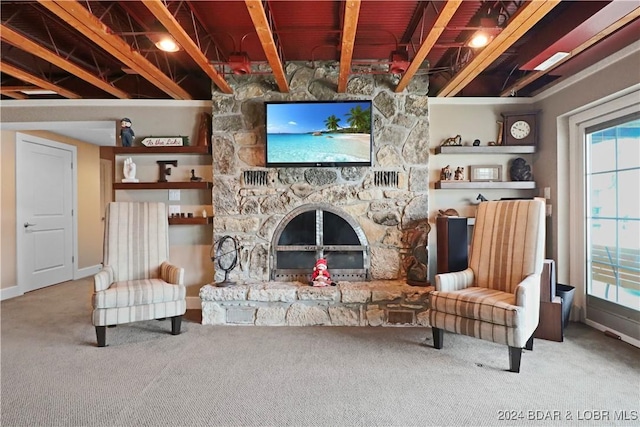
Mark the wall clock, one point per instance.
(520, 128)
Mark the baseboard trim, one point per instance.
(194, 303)
(626, 338)
(81, 273)
(10, 292)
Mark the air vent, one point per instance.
(400, 317)
(240, 315)
(256, 178)
(385, 179)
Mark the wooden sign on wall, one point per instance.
(165, 141)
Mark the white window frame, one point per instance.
(578, 123)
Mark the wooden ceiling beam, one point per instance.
(439, 26)
(526, 17)
(78, 17)
(261, 24)
(351, 13)
(21, 42)
(13, 94)
(165, 17)
(37, 81)
(535, 75)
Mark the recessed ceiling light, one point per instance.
(553, 60)
(38, 92)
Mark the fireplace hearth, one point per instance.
(315, 231)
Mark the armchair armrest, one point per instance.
(528, 291)
(172, 274)
(528, 297)
(455, 281)
(103, 279)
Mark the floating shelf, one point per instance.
(187, 185)
(187, 149)
(455, 185)
(191, 221)
(487, 149)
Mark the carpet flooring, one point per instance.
(52, 374)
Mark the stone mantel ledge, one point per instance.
(373, 303)
(345, 292)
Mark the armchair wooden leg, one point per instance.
(515, 354)
(176, 322)
(438, 337)
(529, 344)
(101, 335)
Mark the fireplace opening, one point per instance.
(317, 231)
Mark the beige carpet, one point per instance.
(52, 374)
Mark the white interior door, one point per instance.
(106, 178)
(44, 217)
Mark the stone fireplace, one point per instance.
(314, 231)
(380, 208)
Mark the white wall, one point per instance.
(600, 83)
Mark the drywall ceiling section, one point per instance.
(93, 132)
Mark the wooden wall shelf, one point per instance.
(191, 221)
(187, 149)
(187, 185)
(455, 185)
(487, 149)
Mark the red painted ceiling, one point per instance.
(307, 31)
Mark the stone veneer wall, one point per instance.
(391, 212)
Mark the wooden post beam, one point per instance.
(526, 17)
(439, 26)
(165, 17)
(78, 17)
(351, 12)
(535, 75)
(37, 81)
(261, 23)
(21, 42)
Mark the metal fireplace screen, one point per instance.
(319, 231)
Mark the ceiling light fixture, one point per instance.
(480, 39)
(38, 92)
(167, 44)
(240, 63)
(551, 61)
(399, 62)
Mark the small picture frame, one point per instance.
(485, 173)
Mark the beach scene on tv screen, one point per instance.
(319, 132)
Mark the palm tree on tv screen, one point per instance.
(360, 119)
(332, 122)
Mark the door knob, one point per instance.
(26, 225)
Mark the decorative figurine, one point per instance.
(321, 276)
(454, 140)
(129, 170)
(482, 198)
(194, 178)
(448, 212)
(126, 133)
(476, 142)
(164, 170)
(520, 170)
(416, 260)
(445, 173)
(459, 174)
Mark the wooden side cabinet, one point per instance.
(452, 244)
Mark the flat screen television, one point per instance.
(318, 133)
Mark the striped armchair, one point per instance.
(497, 298)
(137, 282)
